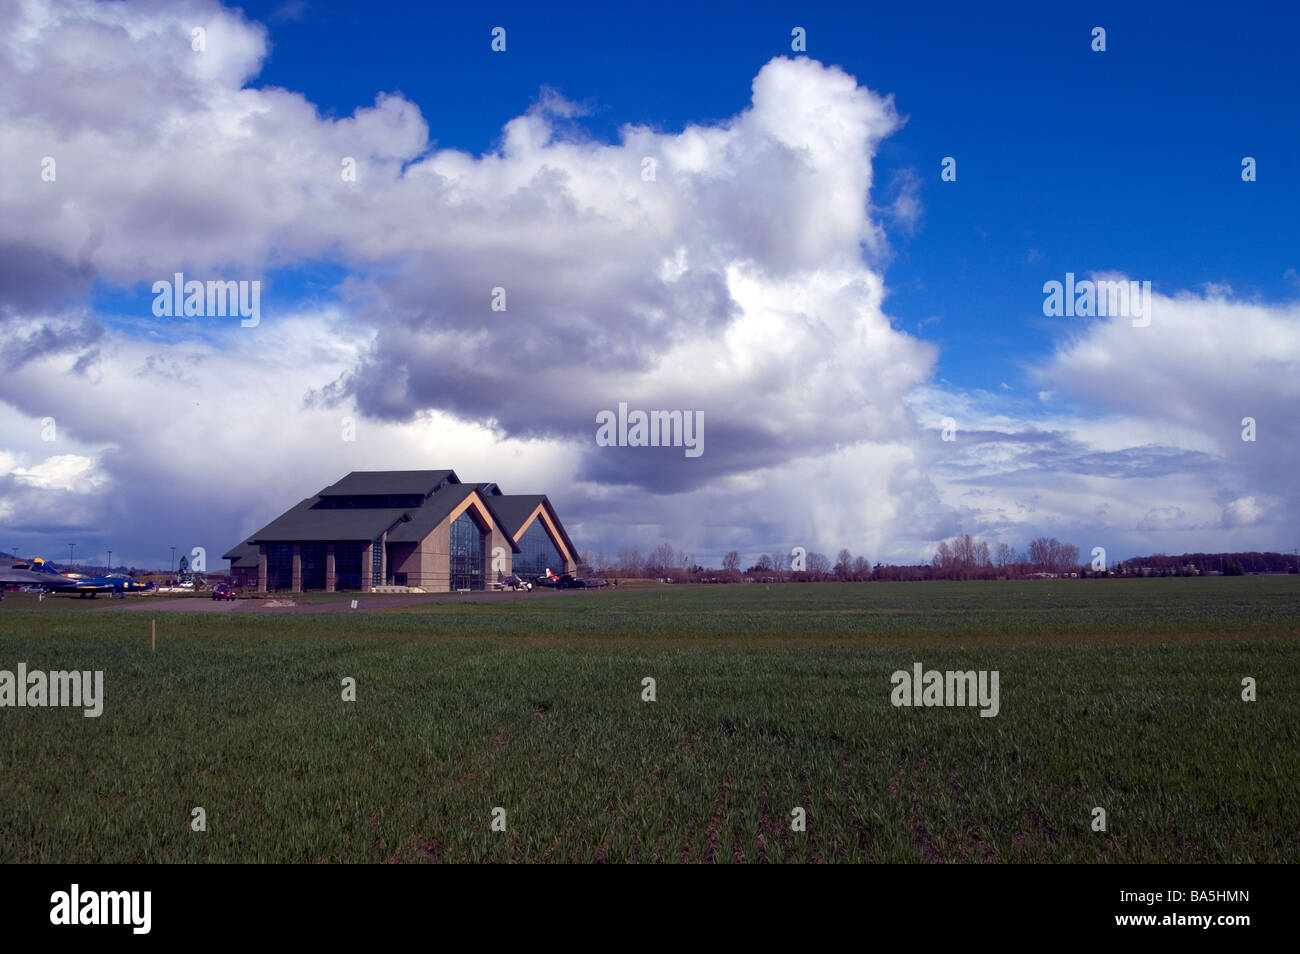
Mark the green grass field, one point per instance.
(1124, 695)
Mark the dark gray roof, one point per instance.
(302, 523)
(435, 511)
(310, 520)
(243, 556)
(514, 509)
(377, 482)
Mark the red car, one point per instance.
(224, 591)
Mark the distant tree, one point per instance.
(943, 558)
(963, 551)
(765, 562)
(661, 558)
(1041, 552)
(819, 564)
(843, 564)
(731, 561)
(861, 568)
(629, 560)
(1004, 555)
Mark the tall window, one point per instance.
(467, 544)
(279, 566)
(313, 566)
(537, 552)
(347, 565)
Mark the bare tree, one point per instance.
(731, 561)
(629, 559)
(1004, 555)
(1041, 552)
(661, 558)
(943, 559)
(1069, 557)
(843, 563)
(765, 562)
(819, 564)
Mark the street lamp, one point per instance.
(71, 547)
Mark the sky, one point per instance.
(827, 232)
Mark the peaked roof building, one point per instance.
(422, 529)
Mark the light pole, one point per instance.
(110, 561)
(71, 547)
(173, 569)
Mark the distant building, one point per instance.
(422, 529)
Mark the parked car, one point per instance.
(224, 591)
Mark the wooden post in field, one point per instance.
(151, 634)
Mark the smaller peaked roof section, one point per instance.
(514, 511)
(438, 508)
(370, 483)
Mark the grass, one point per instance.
(1124, 695)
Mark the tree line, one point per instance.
(962, 558)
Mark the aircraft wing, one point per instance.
(26, 577)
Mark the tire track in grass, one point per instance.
(764, 820)
(574, 819)
(810, 830)
(986, 851)
(715, 823)
(837, 848)
(602, 852)
(431, 849)
(864, 842)
(919, 833)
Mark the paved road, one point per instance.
(286, 604)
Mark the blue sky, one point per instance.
(1068, 159)
(912, 299)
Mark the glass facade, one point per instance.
(347, 565)
(467, 544)
(537, 552)
(313, 566)
(279, 566)
(376, 562)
